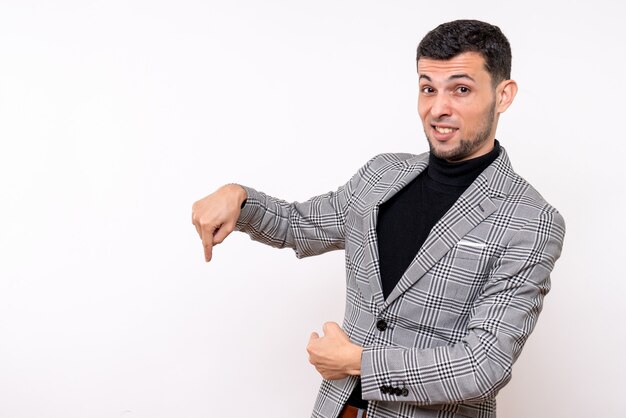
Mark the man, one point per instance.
(448, 254)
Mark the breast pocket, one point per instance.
(461, 274)
(470, 249)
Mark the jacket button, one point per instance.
(381, 325)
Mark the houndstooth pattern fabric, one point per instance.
(459, 316)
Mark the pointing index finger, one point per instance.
(207, 242)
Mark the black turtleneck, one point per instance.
(405, 220)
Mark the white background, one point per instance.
(115, 116)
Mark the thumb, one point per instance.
(330, 328)
(221, 233)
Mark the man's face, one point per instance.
(457, 105)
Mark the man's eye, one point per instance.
(428, 90)
(463, 90)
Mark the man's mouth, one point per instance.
(443, 130)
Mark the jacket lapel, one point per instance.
(390, 183)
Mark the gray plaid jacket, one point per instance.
(460, 314)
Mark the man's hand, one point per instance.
(334, 355)
(216, 215)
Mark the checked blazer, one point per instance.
(459, 316)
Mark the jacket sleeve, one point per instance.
(309, 228)
(503, 316)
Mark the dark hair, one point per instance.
(453, 38)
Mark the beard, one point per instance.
(467, 146)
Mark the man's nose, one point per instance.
(441, 106)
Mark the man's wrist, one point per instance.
(354, 368)
(239, 191)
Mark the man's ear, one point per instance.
(505, 93)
